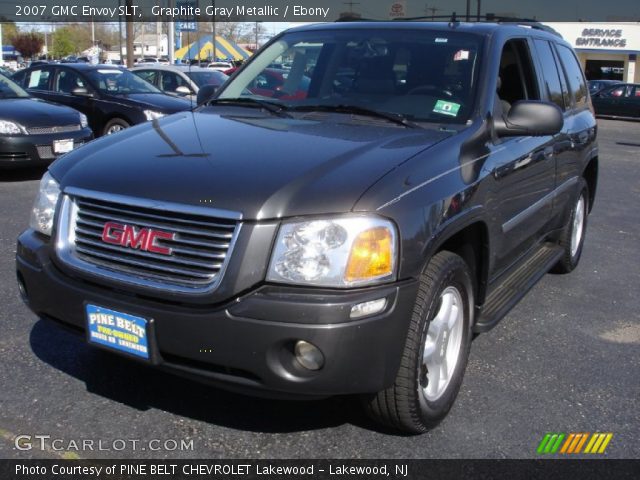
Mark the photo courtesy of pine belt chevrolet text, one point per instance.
(344, 227)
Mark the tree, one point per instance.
(62, 43)
(9, 30)
(29, 44)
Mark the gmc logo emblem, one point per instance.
(142, 239)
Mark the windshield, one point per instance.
(8, 89)
(423, 75)
(119, 82)
(207, 77)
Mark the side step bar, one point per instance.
(516, 285)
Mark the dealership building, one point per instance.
(606, 49)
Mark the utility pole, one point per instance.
(171, 40)
(468, 10)
(479, 9)
(129, 36)
(213, 29)
(120, 32)
(433, 11)
(351, 4)
(257, 36)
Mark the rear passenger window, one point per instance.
(148, 75)
(550, 72)
(38, 79)
(575, 77)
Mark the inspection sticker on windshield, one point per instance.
(447, 108)
(117, 330)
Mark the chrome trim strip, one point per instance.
(154, 204)
(65, 248)
(532, 209)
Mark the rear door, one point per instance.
(579, 124)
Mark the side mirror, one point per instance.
(205, 93)
(530, 117)
(81, 92)
(182, 90)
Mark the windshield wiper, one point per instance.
(271, 107)
(357, 110)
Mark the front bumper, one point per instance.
(32, 150)
(245, 343)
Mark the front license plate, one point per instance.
(118, 331)
(62, 146)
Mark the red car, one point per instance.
(271, 81)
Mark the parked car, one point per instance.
(619, 101)
(112, 98)
(147, 60)
(221, 66)
(340, 241)
(271, 82)
(596, 85)
(180, 80)
(35, 132)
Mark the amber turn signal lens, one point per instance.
(371, 255)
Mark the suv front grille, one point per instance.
(190, 254)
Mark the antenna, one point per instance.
(351, 4)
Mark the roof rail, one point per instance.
(453, 19)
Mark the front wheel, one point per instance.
(115, 125)
(436, 350)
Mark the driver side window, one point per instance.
(516, 77)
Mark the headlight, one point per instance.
(45, 205)
(153, 115)
(338, 252)
(10, 128)
(83, 121)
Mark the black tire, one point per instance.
(404, 406)
(570, 257)
(113, 124)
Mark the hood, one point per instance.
(31, 112)
(154, 101)
(262, 167)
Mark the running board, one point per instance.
(511, 290)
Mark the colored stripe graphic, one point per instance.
(550, 443)
(573, 443)
(598, 443)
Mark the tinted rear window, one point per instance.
(575, 77)
(550, 72)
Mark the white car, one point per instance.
(220, 66)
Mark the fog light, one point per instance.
(309, 356)
(365, 309)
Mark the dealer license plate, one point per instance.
(62, 146)
(118, 331)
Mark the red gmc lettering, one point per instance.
(143, 239)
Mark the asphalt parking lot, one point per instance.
(566, 359)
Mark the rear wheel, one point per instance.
(436, 350)
(572, 237)
(115, 125)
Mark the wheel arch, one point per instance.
(590, 174)
(468, 238)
